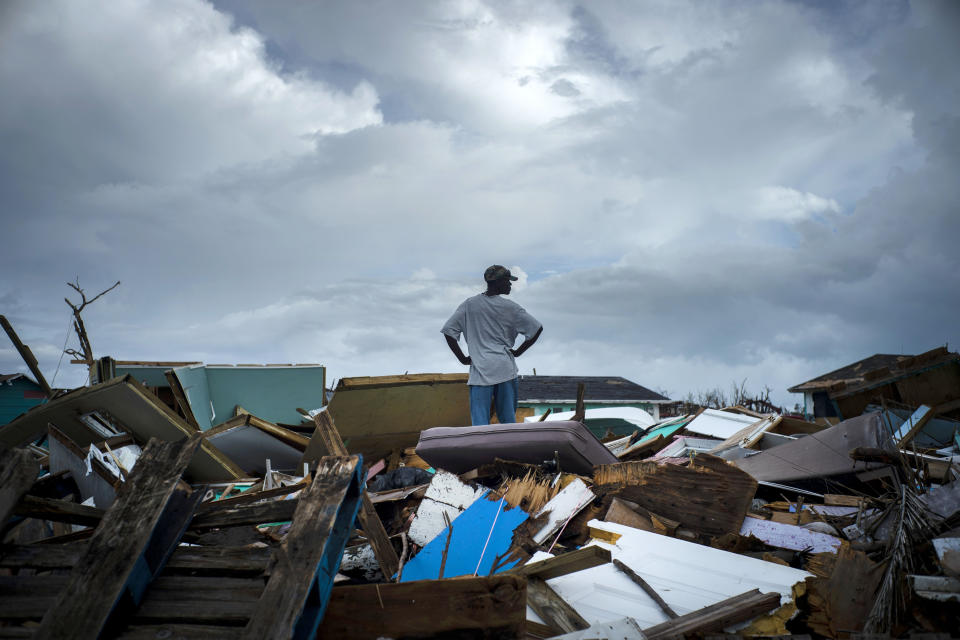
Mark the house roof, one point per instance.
(851, 373)
(10, 377)
(596, 389)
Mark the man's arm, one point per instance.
(455, 347)
(526, 343)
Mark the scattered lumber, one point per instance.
(119, 559)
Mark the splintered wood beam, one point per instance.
(228, 561)
(570, 562)
(58, 511)
(245, 514)
(27, 356)
(551, 608)
(18, 472)
(370, 522)
(463, 607)
(716, 617)
(119, 559)
(178, 394)
(303, 567)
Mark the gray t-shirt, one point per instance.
(490, 325)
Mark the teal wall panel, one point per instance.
(193, 379)
(271, 393)
(12, 400)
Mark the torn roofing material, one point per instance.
(118, 405)
(824, 454)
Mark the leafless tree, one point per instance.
(86, 351)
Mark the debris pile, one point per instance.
(384, 515)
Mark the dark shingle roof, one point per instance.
(597, 388)
(850, 373)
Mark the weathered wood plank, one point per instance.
(58, 511)
(224, 561)
(369, 520)
(247, 514)
(561, 565)
(484, 607)
(716, 617)
(709, 496)
(114, 557)
(247, 497)
(551, 608)
(18, 471)
(303, 567)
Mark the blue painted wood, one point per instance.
(322, 583)
(481, 534)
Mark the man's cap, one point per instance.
(497, 272)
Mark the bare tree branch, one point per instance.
(86, 349)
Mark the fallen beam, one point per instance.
(303, 567)
(18, 472)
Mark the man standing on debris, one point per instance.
(491, 324)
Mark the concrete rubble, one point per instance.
(383, 514)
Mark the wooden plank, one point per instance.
(27, 356)
(551, 608)
(195, 560)
(473, 607)
(570, 562)
(716, 617)
(178, 394)
(247, 514)
(303, 567)
(247, 497)
(114, 560)
(370, 522)
(18, 472)
(58, 511)
(643, 584)
(840, 500)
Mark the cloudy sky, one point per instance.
(694, 193)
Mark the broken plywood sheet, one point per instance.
(563, 506)
(375, 415)
(789, 536)
(445, 495)
(250, 441)
(842, 602)
(823, 454)
(480, 537)
(134, 409)
(708, 496)
(686, 575)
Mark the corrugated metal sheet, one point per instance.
(687, 576)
